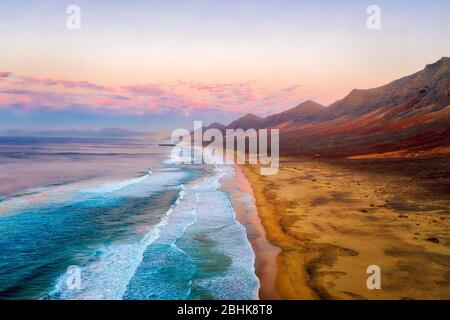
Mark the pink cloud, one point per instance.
(4, 74)
(183, 97)
(32, 81)
(145, 90)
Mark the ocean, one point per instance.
(135, 225)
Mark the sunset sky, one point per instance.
(155, 65)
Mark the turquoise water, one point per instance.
(158, 231)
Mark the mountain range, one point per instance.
(406, 117)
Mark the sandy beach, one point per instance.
(332, 219)
(242, 197)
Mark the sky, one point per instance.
(157, 65)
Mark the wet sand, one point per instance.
(241, 194)
(333, 220)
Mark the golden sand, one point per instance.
(332, 222)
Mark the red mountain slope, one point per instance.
(411, 114)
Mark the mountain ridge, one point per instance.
(412, 112)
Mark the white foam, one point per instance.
(216, 216)
(114, 186)
(200, 206)
(206, 210)
(107, 277)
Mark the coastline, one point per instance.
(332, 220)
(243, 200)
(274, 235)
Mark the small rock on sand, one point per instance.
(433, 239)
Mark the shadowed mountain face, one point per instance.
(248, 121)
(406, 96)
(304, 113)
(409, 116)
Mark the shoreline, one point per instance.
(266, 254)
(291, 275)
(333, 220)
